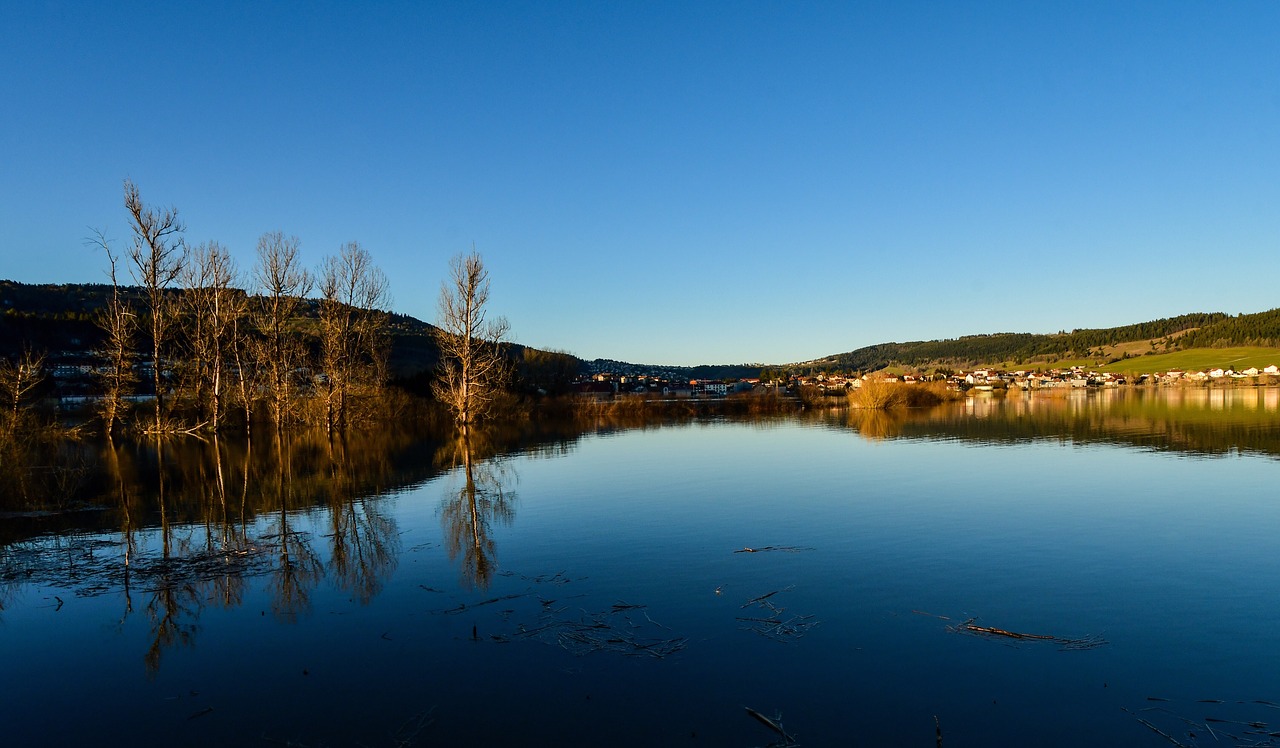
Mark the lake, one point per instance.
(1087, 568)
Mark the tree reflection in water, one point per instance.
(468, 512)
(365, 542)
(298, 570)
(172, 608)
(187, 522)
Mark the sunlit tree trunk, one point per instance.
(245, 370)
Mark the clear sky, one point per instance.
(685, 182)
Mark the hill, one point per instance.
(1238, 358)
(704, 371)
(61, 319)
(1096, 346)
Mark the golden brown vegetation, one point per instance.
(878, 394)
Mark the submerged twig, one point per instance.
(463, 607)
(772, 724)
(774, 625)
(765, 596)
(1157, 730)
(408, 732)
(1251, 733)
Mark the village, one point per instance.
(607, 385)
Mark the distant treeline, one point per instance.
(1260, 329)
(711, 372)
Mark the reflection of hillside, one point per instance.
(1191, 420)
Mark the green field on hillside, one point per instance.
(1197, 359)
(1194, 359)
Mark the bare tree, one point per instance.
(158, 254)
(473, 360)
(119, 322)
(18, 378)
(353, 297)
(282, 283)
(212, 305)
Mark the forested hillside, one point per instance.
(1261, 329)
(64, 318)
(1197, 330)
(62, 321)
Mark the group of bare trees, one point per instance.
(353, 344)
(210, 349)
(214, 349)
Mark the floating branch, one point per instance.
(611, 630)
(463, 607)
(1234, 728)
(775, 625)
(765, 596)
(774, 724)
(1087, 642)
(1158, 731)
(931, 615)
(617, 628)
(781, 548)
(586, 637)
(557, 578)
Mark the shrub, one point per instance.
(877, 394)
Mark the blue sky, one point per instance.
(687, 182)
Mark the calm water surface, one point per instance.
(596, 588)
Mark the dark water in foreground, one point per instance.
(588, 589)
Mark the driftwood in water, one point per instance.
(1086, 642)
(772, 623)
(972, 628)
(1234, 725)
(775, 725)
(782, 548)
